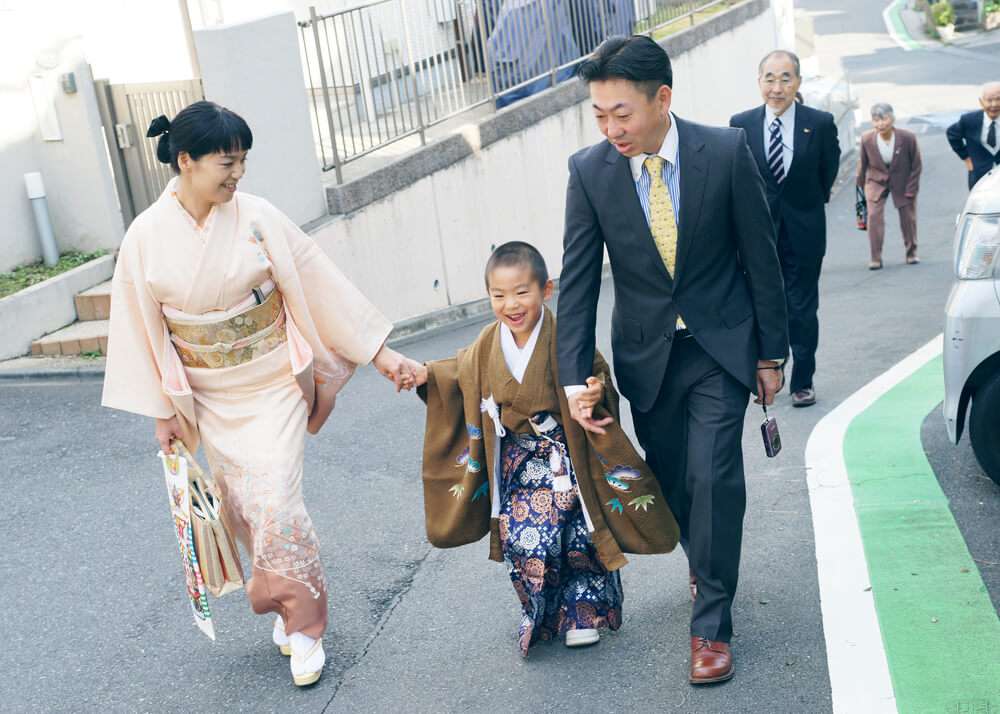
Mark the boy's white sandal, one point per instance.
(582, 638)
(307, 659)
(279, 637)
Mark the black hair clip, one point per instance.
(160, 125)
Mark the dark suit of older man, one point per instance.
(970, 138)
(797, 196)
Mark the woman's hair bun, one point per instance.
(160, 125)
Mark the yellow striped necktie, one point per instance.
(662, 223)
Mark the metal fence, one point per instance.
(389, 69)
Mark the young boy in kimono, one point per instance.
(502, 456)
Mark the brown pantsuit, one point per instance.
(876, 227)
(900, 178)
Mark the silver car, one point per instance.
(972, 327)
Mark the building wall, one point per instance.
(254, 69)
(77, 174)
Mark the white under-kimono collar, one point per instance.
(517, 358)
(203, 229)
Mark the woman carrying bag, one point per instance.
(231, 328)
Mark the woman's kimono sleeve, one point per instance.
(136, 338)
(456, 484)
(345, 319)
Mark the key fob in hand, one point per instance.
(772, 438)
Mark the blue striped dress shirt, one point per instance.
(671, 172)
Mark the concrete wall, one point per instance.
(254, 69)
(75, 168)
(433, 234)
(43, 308)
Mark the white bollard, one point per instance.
(40, 205)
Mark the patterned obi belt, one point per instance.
(237, 337)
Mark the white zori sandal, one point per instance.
(279, 637)
(582, 638)
(307, 659)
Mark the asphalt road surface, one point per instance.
(96, 616)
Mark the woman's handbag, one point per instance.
(214, 545)
(861, 208)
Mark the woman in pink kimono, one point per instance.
(231, 328)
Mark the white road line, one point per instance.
(906, 43)
(859, 673)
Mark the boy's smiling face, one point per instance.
(517, 298)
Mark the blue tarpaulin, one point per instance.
(519, 50)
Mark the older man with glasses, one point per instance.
(798, 154)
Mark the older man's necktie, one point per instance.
(991, 135)
(662, 223)
(776, 152)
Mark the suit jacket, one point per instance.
(966, 139)
(727, 282)
(901, 177)
(799, 201)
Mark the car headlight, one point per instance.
(978, 246)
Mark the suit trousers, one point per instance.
(801, 273)
(692, 437)
(876, 227)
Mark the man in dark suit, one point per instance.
(798, 155)
(699, 320)
(975, 137)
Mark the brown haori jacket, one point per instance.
(620, 496)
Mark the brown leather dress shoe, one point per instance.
(693, 585)
(710, 661)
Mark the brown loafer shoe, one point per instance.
(804, 398)
(693, 586)
(711, 661)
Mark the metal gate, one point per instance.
(126, 111)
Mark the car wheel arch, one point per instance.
(983, 372)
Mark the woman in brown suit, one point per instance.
(890, 164)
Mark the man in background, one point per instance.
(798, 155)
(975, 137)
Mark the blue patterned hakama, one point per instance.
(547, 547)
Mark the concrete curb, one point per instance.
(47, 373)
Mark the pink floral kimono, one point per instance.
(244, 330)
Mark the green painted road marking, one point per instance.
(941, 633)
(896, 28)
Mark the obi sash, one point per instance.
(234, 338)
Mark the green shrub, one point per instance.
(943, 13)
(28, 275)
(992, 6)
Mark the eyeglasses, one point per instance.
(784, 81)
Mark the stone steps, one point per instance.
(94, 304)
(87, 336)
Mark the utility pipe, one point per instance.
(40, 205)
